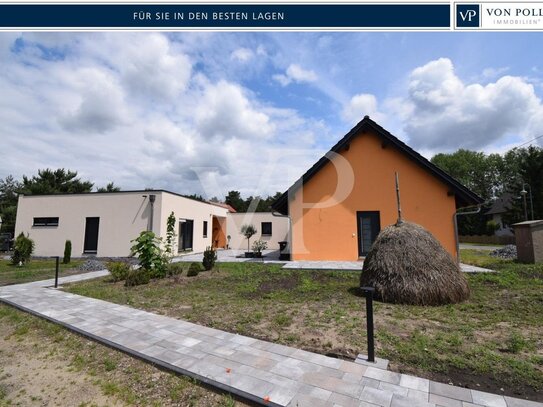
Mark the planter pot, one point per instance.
(249, 254)
(258, 255)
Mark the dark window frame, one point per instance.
(42, 221)
(205, 228)
(270, 227)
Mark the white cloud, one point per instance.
(361, 105)
(131, 108)
(441, 112)
(242, 55)
(295, 73)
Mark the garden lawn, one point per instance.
(43, 364)
(35, 270)
(493, 342)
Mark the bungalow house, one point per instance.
(103, 224)
(338, 207)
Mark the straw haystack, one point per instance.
(407, 265)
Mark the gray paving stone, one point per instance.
(514, 402)
(333, 384)
(313, 391)
(488, 399)
(344, 401)
(303, 400)
(382, 398)
(453, 392)
(444, 401)
(418, 395)
(394, 388)
(415, 383)
(402, 401)
(368, 382)
(383, 375)
(350, 367)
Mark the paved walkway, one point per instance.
(264, 372)
(479, 246)
(270, 256)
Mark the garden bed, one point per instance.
(493, 342)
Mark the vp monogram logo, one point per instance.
(467, 15)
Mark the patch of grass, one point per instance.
(35, 270)
(131, 381)
(109, 364)
(322, 311)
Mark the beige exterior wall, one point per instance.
(198, 212)
(123, 215)
(280, 229)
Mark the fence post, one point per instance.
(368, 293)
(57, 258)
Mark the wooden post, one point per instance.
(400, 220)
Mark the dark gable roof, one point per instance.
(464, 197)
(502, 204)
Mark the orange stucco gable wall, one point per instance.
(331, 233)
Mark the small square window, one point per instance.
(205, 228)
(266, 228)
(45, 222)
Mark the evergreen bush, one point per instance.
(210, 257)
(67, 252)
(22, 249)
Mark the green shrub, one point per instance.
(258, 246)
(491, 227)
(194, 269)
(150, 256)
(137, 277)
(210, 257)
(22, 249)
(175, 269)
(67, 252)
(119, 270)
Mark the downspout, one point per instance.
(455, 222)
(152, 202)
(289, 235)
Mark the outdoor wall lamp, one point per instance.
(524, 193)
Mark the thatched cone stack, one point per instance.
(407, 265)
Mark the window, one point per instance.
(205, 228)
(45, 222)
(266, 228)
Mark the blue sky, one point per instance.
(210, 112)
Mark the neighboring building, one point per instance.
(271, 229)
(499, 207)
(339, 205)
(104, 224)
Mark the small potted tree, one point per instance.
(248, 231)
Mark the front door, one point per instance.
(90, 244)
(369, 225)
(186, 232)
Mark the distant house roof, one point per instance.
(502, 204)
(223, 205)
(464, 196)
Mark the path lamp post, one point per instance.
(524, 193)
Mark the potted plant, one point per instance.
(248, 231)
(258, 246)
